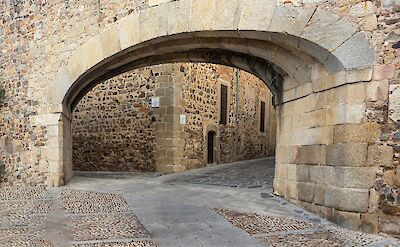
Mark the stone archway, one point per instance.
(314, 62)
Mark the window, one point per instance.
(224, 105)
(262, 117)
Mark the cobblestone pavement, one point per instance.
(244, 174)
(143, 211)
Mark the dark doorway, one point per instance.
(210, 147)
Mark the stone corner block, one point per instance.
(305, 192)
(362, 133)
(347, 220)
(389, 224)
(355, 177)
(370, 223)
(345, 199)
(349, 154)
(380, 155)
(359, 75)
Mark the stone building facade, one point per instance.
(114, 126)
(335, 62)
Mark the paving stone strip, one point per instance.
(22, 216)
(57, 232)
(102, 219)
(273, 231)
(37, 217)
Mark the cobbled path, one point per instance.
(208, 207)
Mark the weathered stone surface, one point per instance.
(110, 42)
(394, 103)
(370, 23)
(383, 72)
(129, 32)
(351, 154)
(286, 154)
(319, 194)
(315, 154)
(153, 23)
(348, 220)
(389, 224)
(280, 187)
(322, 175)
(303, 174)
(329, 31)
(355, 52)
(292, 190)
(369, 223)
(157, 2)
(346, 199)
(379, 155)
(178, 16)
(377, 91)
(355, 177)
(225, 15)
(291, 20)
(256, 14)
(345, 114)
(305, 192)
(201, 15)
(362, 9)
(362, 133)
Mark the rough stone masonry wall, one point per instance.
(36, 34)
(240, 141)
(114, 124)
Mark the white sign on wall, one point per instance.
(182, 119)
(155, 102)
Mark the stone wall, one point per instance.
(240, 138)
(114, 124)
(35, 35)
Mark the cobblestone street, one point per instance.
(228, 205)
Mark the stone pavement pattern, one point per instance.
(143, 211)
(254, 174)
